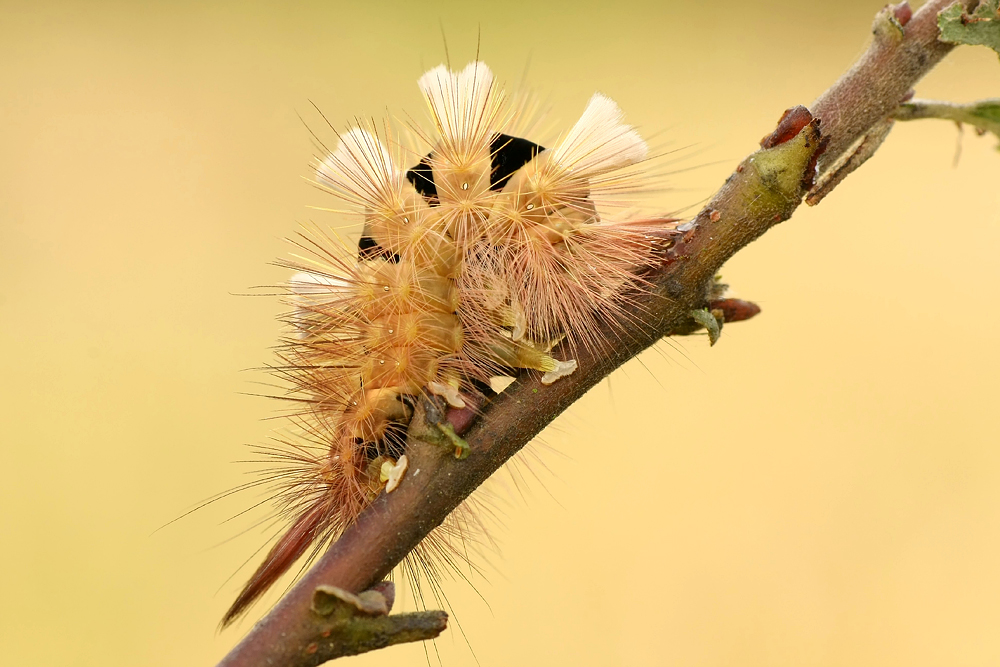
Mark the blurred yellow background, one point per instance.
(821, 488)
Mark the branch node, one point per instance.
(786, 168)
(888, 24)
(345, 624)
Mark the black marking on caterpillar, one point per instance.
(507, 155)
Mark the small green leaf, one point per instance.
(981, 27)
(989, 112)
(986, 117)
(462, 448)
(710, 322)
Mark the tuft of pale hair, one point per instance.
(361, 171)
(465, 106)
(600, 141)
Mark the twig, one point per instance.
(983, 115)
(765, 189)
(347, 624)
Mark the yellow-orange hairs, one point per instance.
(473, 264)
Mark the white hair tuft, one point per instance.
(463, 104)
(361, 169)
(600, 142)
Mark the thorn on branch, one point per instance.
(461, 419)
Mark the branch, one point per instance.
(339, 623)
(857, 110)
(347, 624)
(904, 48)
(765, 189)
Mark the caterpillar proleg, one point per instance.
(476, 261)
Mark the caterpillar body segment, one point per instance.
(564, 265)
(473, 263)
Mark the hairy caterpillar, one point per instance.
(473, 264)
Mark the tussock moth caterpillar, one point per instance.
(473, 264)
